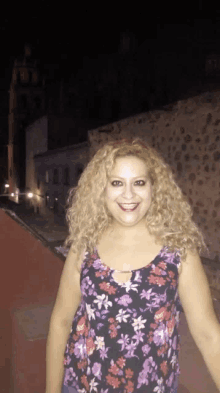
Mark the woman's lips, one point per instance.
(128, 209)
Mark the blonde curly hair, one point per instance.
(169, 217)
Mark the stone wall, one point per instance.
(187, 134)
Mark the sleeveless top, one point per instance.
(124, 336)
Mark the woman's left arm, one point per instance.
(196, 299)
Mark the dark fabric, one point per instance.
(124, 336)
(69, 389)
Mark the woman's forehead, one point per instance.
(129, 164)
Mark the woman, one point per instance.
(132, 265)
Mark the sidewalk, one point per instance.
(51, 232)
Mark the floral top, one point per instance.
(124, 336)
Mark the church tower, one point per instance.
(26, 104)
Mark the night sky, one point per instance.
(61, 35)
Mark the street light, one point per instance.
(29, 194)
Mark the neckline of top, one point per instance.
(126, 271)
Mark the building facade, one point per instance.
(26, 103)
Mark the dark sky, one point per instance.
(62, 33)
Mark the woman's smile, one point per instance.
(128, 207)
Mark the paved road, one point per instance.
(31, 277)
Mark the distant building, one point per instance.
(49, 123)
(26, 103)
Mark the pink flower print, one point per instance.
(171, 274)
(163, 349)
(164, 367)
(85, 382)
(82, 364)
(153, 325)
(121, 362)
(114, 332)
(101, 273)
(152, 279)
(71, 350)
(128, 373)
(157, 271)
(167, 315)
(81, 325)
(160, 281)
(115, 382)
(129, 387)
(107, 287)
(160, 314)
(90, 346)
(162, 265)
(170, 326)
(113, 369)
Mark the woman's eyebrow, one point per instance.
(125, 178)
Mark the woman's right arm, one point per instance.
(66, 304)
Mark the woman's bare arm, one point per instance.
(66, 304)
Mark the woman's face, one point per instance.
(128, 192)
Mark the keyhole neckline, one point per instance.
(126, 271)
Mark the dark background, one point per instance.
(63, 34)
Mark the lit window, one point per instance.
(47, 176)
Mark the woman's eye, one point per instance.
(117, 181)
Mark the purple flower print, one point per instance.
(96, 370)
(91, 333)
(69, 376)
(160, 335)
(80, 348)
(146, 349)
(142, 379)
(144, 311)
(103, 353)
(131, 347)
(170, 379)
(154, 376)
(149, 364)
(138, 336)
(138, 276)
(97, 264)
(92, 291)
(99, 325)
(174, 344)
(125, 300)
(147, 294)
(149, 368)
(68, 359)
(123, 340)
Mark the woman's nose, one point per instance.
(128, 191)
